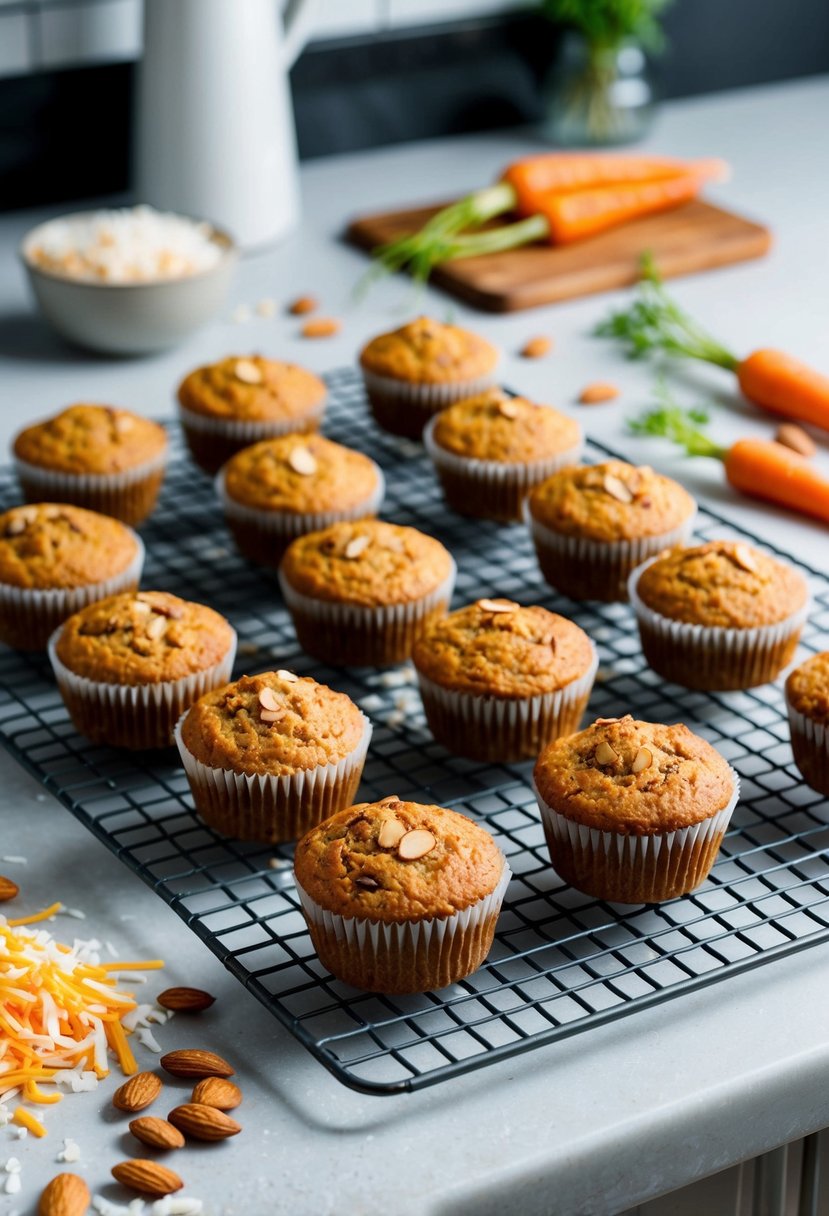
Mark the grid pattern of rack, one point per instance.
(562, 961)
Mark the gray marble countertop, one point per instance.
(595, 1123)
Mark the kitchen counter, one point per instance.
(587, 1126)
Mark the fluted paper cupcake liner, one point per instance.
(628, 869)
(412, 956)
(403, 407)
(137, 716)
(714, 657)
(212, 441)
(129, 495)
(810, 744)
(491, 489)
(586, 569)
(268, 808)
(29, 616)
(263, 536)
(504, 730)
(355, 635)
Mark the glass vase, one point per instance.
(597, 95)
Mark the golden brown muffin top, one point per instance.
(300, 473)
(252, 388)
(427, 352)
(610, 501)
(91, 439)
(494, 426)
(724, 582)
(276, 723)
(807, 688)
(497, 648)
(49, 545)
(635, 778)
(394, 861)
(145, 638)
(367, 562)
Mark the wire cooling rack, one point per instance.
(562, 962)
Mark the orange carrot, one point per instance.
(766, 469)
(786, 386)
(584, 213)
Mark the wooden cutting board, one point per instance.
(692, 238)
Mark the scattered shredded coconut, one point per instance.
(75, 913)
(15, 861)
(240, 315)
(70, 1151)
(110, 949)
(13, 1184)
(172, 1205)
(12, 1166)
(105, 1207)
(146, 1036)
(5, 1116)
(266, 307)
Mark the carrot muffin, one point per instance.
(128, 666)
(807, 700)
(94, 456)
(282, 488)
(56, 559)
(591, 525)
(490, 450)
(400, 897)
(417, 370)
(228, 405)
(268, 756)
(634, 812)
(360, 593)
(498, 681)
(719, 616)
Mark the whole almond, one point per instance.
(596, 393)
(247, 371)
(216, 1091)
(158, 1133)
(196, 1063)
(536, 348)
(65, 1195)
(187, 1000)
(320, 327)
(796, 438)
(203, 1122)
(8, 889)
(148, 1177)
(303, 305)
(138, 1092)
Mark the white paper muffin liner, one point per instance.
(242, 432)
(265, 535)
(634, 869)
(583, 568)
(359, 635)
(714, 657)
(136, 716)
(491, 489)
(500, 729)
(268, 808)
(412, 956)
(810, 745)
(404, 406)
(129, 495)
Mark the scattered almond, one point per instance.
(203, 1122)
(321, 327)
(16, 526)
(597, 392)
(356, 547)
(508, 409)
(617, 489)
(497, 606)
(391, 833)
(642, 760)
(196, 1063)
(745, 558)
(603, 721)
(536, 348)
(247, 371)
(157, 1133)
(148, 1177)
(604, 755)
(8, 889)
(796, 438)
(216, 1091)
(389, 798)
(303, 305)
(416, 844)
(271, 715)
(65, 1195)
(268, 699)
(288, 676)
(138, 1092)
(156, 628)
(302, 461)
(187, 1000)
(141, 607)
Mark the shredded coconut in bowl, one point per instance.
(131, 245)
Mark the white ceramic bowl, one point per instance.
(131, 318)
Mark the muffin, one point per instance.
(634, 812)
(490, 450)
(228, 405)
(56, 559)
(94, 456)
(361, 593)
(498, 681)
(129, 666)
(400, 897)
(281, 488)
(591, 525)
(269, 756)
(719, 616)
(807, 700)
(417, 370)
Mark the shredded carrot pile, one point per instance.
(60, 1009)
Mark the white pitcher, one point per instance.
(215, 131)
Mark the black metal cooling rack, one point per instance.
(562, 962)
